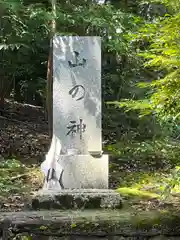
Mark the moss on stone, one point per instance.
(89, 221)
(136, 193)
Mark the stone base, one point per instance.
(76, 199)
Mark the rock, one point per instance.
(76, 199)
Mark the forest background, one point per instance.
(140, 76)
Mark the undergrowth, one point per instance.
(16, 177)
(151, 166)
(145, 170)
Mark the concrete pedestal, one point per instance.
(76, 199)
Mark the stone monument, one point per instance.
(75, 163)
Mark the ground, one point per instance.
(18, 181)
(24, 143)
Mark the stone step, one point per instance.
(91, 224)
(76, 199)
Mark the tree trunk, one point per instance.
(50, 73)
(49, 91)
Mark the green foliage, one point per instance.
(9, 168)
(10, 164)
(173, 182)
(13, 175)
(173, 5)
(25, 39)
(162, 58)
(24, 35)
(146, 154)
